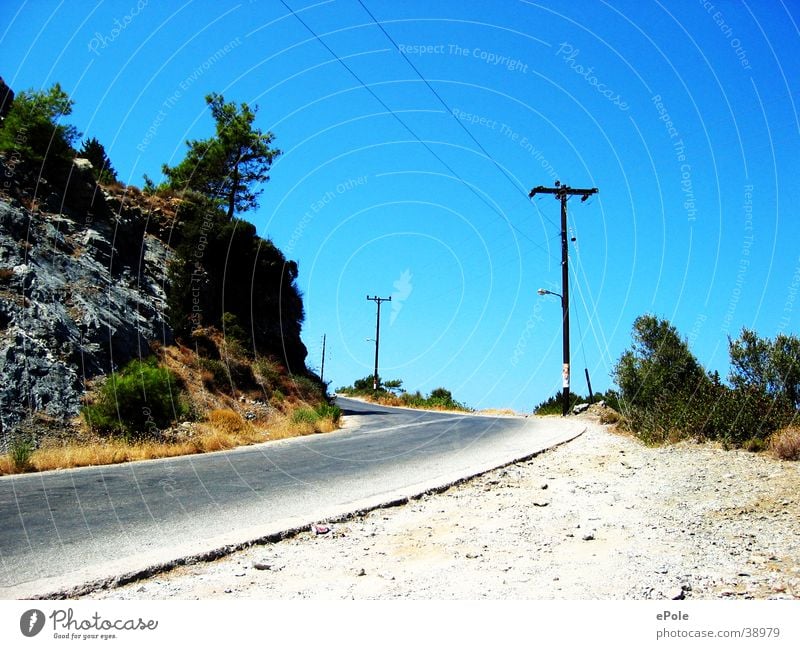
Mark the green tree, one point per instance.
(662, 386)
(95, 153)
(769, 366)
(33, 129)
(227, 167)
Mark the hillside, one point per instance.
(84, 289)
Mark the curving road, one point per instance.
(63, 529)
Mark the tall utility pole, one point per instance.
(562, 193)
(377, 301)
(322, 371)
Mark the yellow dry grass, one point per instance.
(223, 430)
(785, 444)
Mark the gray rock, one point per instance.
(75, 307)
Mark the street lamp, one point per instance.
(544, 291)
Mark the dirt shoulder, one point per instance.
(602, 517)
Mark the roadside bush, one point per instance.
(552, 406)
(785, 444)
(328, 411)
(665, 394)
(137, 402)
(20, 452)
(227, 421)
(305, 416)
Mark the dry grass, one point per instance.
(223, 430)
(499, 412)
(785, 444)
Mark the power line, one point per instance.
(448, 109)
(408, 128)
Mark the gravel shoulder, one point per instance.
(601, 517)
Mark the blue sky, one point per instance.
(683, 114)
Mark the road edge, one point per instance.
(283, 529)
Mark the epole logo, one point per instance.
(31, 622)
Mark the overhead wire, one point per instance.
(447, 108)
(411, 131)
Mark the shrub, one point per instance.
(307, 388)
(553, 405)
(227, 421)
(215, 373)
(269, 372)
(20, 453)
(305, 416)
(328, 411)
(137, 402)
(785, 443)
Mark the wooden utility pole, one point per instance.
(322, 371)
(562, 193)
(378, 301)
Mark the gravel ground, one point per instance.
(602, 517)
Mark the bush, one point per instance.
(20, 453)
(137, 402)
(215, 374)
(305, 416)
(785, 444)
(553, 405)
(269, 372)
(667, 395)
(227, 421)
(328, 411)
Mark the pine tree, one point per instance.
(227, 167)
(95, 153)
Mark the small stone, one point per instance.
(544, 486)
(472, 555)
(361, 573)
(588, 537)
(540, 503)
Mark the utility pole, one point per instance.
(562, 193)
(377, 301)
(322, 371)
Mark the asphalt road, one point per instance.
(62, 529)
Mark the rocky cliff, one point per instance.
(82, 291)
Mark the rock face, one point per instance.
(79, 295)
